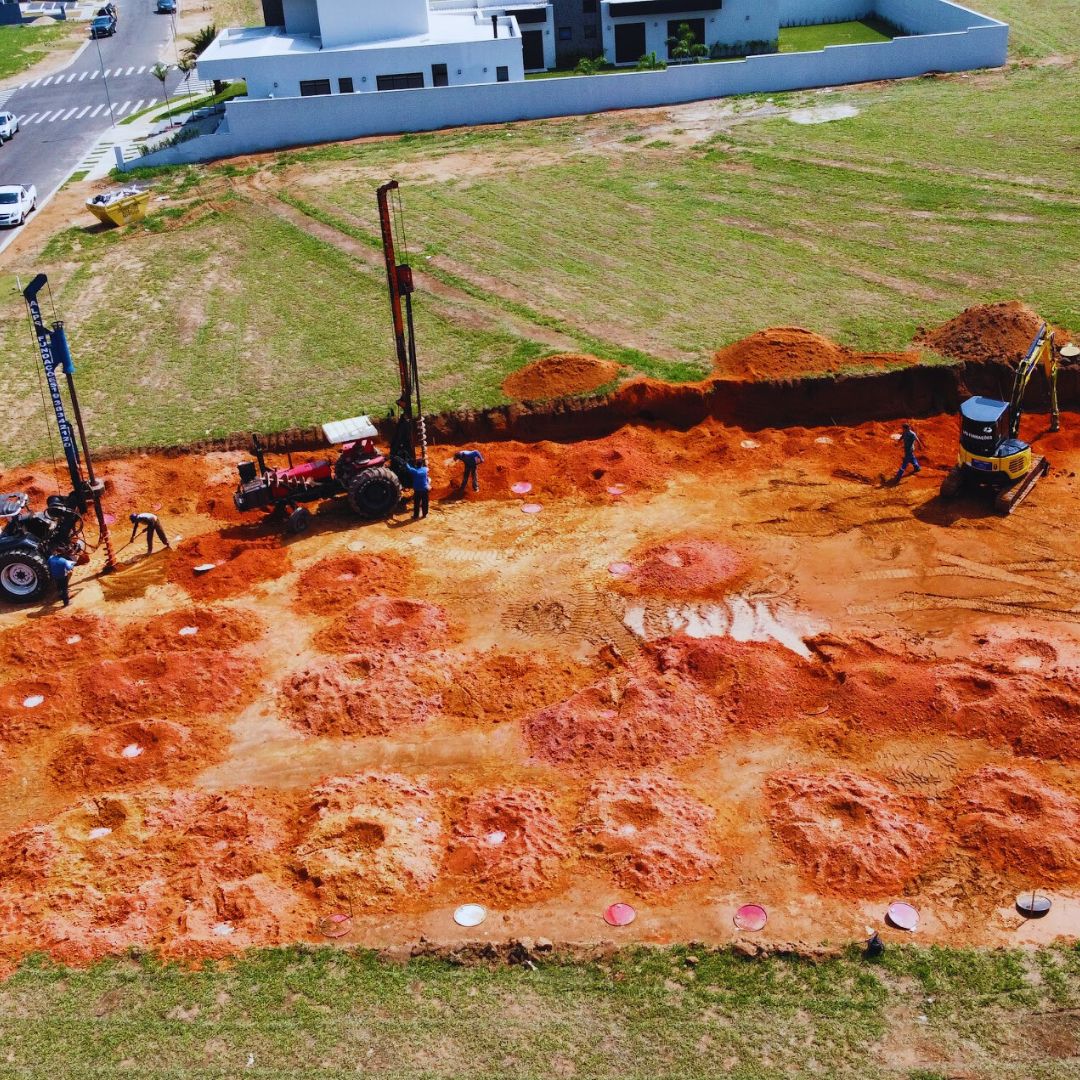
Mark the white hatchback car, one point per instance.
(15, 203)
(9, 124)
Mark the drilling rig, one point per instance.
(372, 480)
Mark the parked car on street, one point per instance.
(9, 124)
(166, 7)
(16, 202)
(103, 25)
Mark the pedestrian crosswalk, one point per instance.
(120, 109)
(66, 77)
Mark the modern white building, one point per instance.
(633, 28)
(354, 46)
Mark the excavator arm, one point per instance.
(1041, 354)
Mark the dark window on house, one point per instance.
(502, 74)
(439, 75)
(590, 30)
(528, 15)
(629, 42)
(314, 87)
(414, 80)
(588, 7)
(345, 86)
(566, 33)
(662, 7)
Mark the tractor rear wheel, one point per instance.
(24, 576)
(374, 493)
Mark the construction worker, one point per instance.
(470, 459)
(60, 571)
(153, 526)
(909, 439)
(421, 483)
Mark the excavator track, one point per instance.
(1009, 499)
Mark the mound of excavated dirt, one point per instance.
(169, 685)
(238, 564)
(134, 752)
(354, 698)
(508, 844)
(385, 622)
(788, 352)
(687, 567)
(850, 835)
(648, 832)
(494, 686)
(372, 841)
(39, 647)
(987, 333)
(1021, 825)
(559, 376)
(625, 722)
(335, 584)
(202, 628)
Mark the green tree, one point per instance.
(651, 62)
(684, 46)
(199, 42)
(591, 66)
(160, 72)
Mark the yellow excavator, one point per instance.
(992, 455)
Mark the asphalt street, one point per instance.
(64, 115)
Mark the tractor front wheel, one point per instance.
(23, 577)
(374, 493)
(953, 482)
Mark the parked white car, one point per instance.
(15, 203)
(9, 124)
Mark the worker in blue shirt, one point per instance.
(421, 484)
(60, 571)
(470, 459)
(908, 438)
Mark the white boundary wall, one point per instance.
(951, 38)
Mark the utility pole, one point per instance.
(53, 347)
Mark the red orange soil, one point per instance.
(987, 333)
(648, 832)
(686, 567)
(44, 645)
(509, 845)
(559, 376)
(332, 585)
(849, 834)
(235, 564)
(786, 352)
(201, 628)
(386, 622)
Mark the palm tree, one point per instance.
(685, 45)
(199, 42)
(160, 72)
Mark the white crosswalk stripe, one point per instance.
(95, 74)
(122, 109)
(5, 95)
(96, 111)
(138, 105)
(27, 119)
(70, 78)
(34, 83)
(47, 81)
(130, 71)
(106, 73)
(85, 110)
(141, 70)
(70, 113)
(83, 75)
(41, 117)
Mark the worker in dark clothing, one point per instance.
(470, 459)
(153, 526)
(60, 571)
(909, 440)
(421, 483)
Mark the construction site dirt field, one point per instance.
(715, 668)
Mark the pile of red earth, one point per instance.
(1021, 825)
(379, 623)
(71, 639)
(788, 352)
(373, 841)
(559, 376)
(203, 628)
(356, 697)
(236, 565)
(648, 832)
(136, 751)
(334, 584)
(987, 333)
(688, 567)
(508, 844)
(851, 836)
(627, 721)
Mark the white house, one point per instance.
(632, 28)
(354, 46)
(536, 23)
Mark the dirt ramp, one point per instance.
(850, 835)
(648, 832)
(509, 844)
(1025, 828)
(987, 333)
(558, 376)
(787, 352)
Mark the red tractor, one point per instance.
(373, 481)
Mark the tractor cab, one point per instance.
(984, 425)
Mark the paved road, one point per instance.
(63, 115)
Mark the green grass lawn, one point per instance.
(812, 38)
(236, 13)
(640, 1015)
(23, 46)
